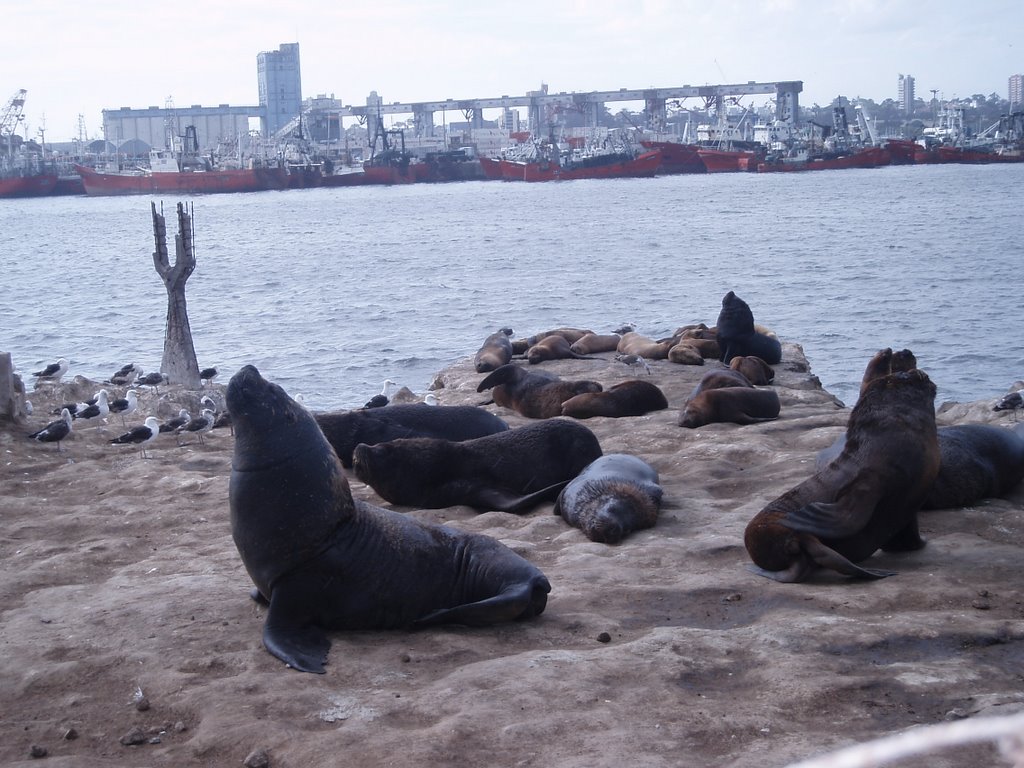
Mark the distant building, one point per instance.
(280, 84)
(158, 126)
(906, 93)
(1016, 89)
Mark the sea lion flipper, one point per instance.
(520, 601)
(517, 504)
(826, 557)
(300, 645)
(832, 520)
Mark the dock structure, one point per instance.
(542, 107)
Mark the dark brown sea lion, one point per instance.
(553, 347)
(737, 336)
(324, 561)
(720, 378)
(633, 343)
(865, 499)
(756, 370)
(534, 394)
(695, 331)
(495, 351)
(594, 343)
(611, 497)
(572, 335)
(736, 405)
(977, 461)
(511, 471)
(630, 398)
(884, 362)
(347, 429)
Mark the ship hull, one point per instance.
(869, 157)
(197, 183)
(35, 185)
(728, 161)
(677, 157)
(641, 166)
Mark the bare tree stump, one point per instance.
(179, 363)
(12, 391)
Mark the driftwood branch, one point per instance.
(179, 363)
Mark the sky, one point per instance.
(77, 59)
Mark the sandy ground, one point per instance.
(120, 579)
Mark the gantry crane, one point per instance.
(9, 119)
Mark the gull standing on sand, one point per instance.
(125, 405)
(98, 410)
(55, 431)
(146, 433)
(199, 425)
(53, 371)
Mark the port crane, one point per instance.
(10, 117)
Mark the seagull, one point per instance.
(125, 405)
(1011, 402)
(207, 374)
(141, 435)
(200, 424)
(28, 407)
(430, 399)
(53, 371)
(55, 431)
(153, 380)
(180, 420)
(126, 374)
(98, 410)
(379, 401)
(633, 361)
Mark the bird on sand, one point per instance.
(141, 435)
(153, 380)
(125, 374)
(379, 401)
(634, 361)
(1014, 401)
(53, 371)
(207, 375)
(199, 425)
(55, 431)
(125, 405)
(98, 410)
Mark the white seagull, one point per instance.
(98, 410)
(141, 435)
(200, 424)
(125, 405)
(53, 371)
(55, 431)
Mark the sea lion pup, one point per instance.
(685, 353)
(553, 347)
(736, 334)
(324, 561)
(347, 429)
(633, 343)
(630, 398)
(976, 461)
(593, 343)
(756, 370)
(866, 498)
(611, 497)
(495, 351)
(510, 471)
(572, 335)
(736, 405)
(534, 394)
(708, 348)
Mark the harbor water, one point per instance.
(331, 291)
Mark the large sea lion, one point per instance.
(534, 394)
(756, 370)
(495, 351)
(633, 343)
(976, 461)
(553, 347)
(611, 497)
(324, 561)
(347, 429)
(630, 398)
(884, 362)
(865, 499)
(736, 405)
(736, 334)
(594, 343)
(510, 471)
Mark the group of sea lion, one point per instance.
(323, 560)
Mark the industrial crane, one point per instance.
(10, 117)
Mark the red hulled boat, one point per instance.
(611, 166)
(677, 157)
(866, 157)
(728, 160)
(29, 185)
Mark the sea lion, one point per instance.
(708, 348)
(594, 343)
(867, 498)
(884, 362)
(630, 398)
(572, 335)
(756, 370)
(720, 378)
(685, 353)
(736, 405)
(495, 351)
(534, 394)
(633, 343)
(324, 561)
(611, 497)
(346, 429)
(510, 471)
(976, 461)
(736, 334)
(553, 347)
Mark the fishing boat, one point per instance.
(676, 156)
(864, 157)
(608, 158)
(37, 184)
(729, 160)
(183, 171)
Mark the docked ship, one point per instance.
(550, 161)
(16, 183)
(182, 170)
(823, 147)
(676, 156)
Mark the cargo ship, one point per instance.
(676, 157)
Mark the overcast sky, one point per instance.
(78, 58)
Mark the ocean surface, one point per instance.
(331, 291)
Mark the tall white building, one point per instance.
(280, 85)
(1016, 89)
(906, 93)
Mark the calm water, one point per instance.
(331, 291)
